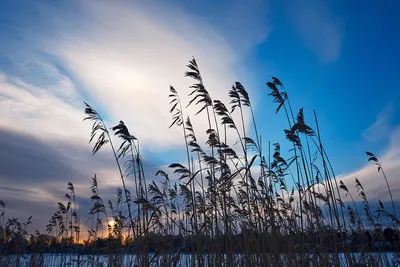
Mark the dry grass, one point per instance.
(229, 203)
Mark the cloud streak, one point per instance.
(381, 128)
(124, 56)
(318, 27)
(372, 180)
(119, 57)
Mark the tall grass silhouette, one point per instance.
(232, 202)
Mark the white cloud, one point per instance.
(244, 23)
(320, 30)
(372, 180)
(381, 128)
(123, 57)
(38, 111)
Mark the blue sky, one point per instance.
(340, 58)
(349, 90)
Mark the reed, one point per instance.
(234, 201)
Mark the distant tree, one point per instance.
(388, 235)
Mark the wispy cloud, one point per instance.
(121, 57)
(381, 128)
(319, 28)
(43, 111)
(244, 23)
(372, 180)
(124, 56)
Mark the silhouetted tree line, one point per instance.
(16, 240)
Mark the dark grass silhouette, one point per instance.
(228, 204)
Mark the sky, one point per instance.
(340, 58)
